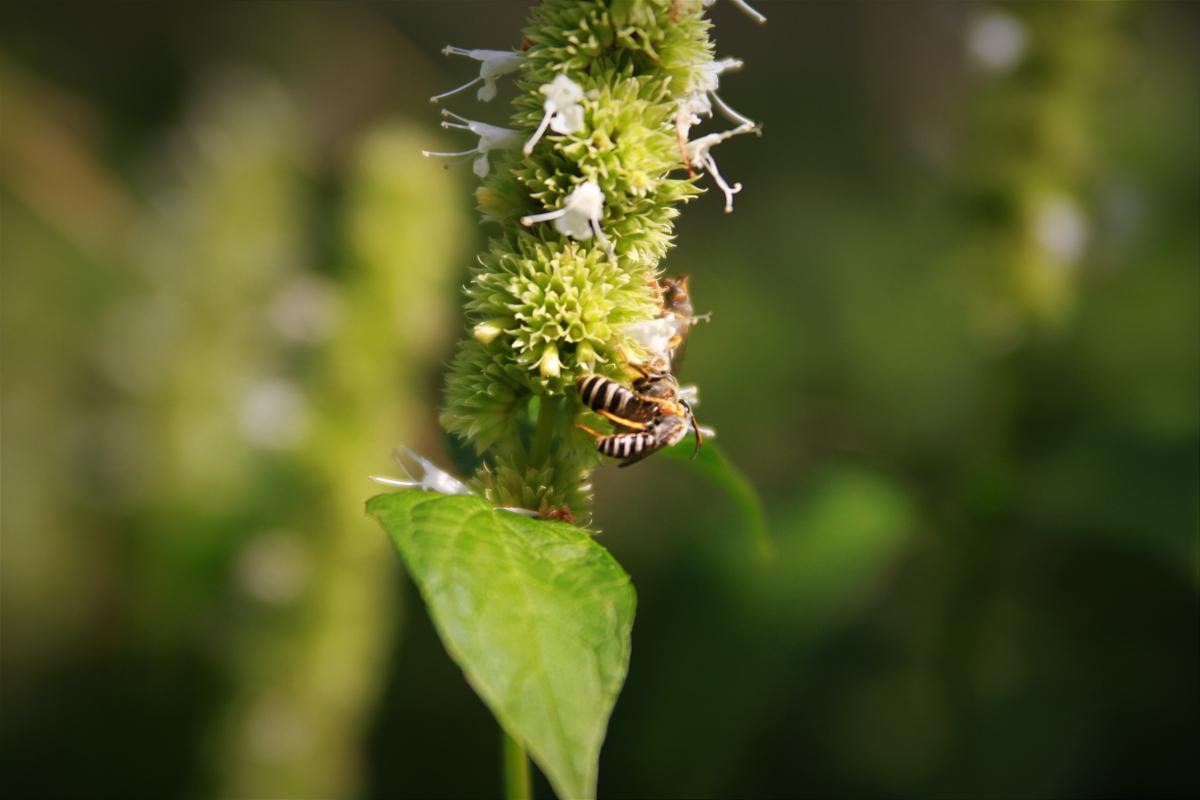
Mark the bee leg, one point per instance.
(628, 365)
(596, 434)
(671, 407)
(658, 296)
(621, 421)
(696, 429)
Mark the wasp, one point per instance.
(663, 338)
(648, 417)
(677, 308)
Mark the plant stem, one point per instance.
(516, 770)
(539, 449)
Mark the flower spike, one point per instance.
(564, 114)
(698, 154)
(496, 64)
(579, 217)
(491, 137)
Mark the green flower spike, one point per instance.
(584, 185)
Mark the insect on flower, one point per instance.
(579, 217)
(648, 417)
(491, 137)
(496, 64)
(664, 337)
(564, 114)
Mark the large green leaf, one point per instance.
(536, 613)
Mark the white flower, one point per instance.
(432, 478)
(579, 217)
(654, 335)
(491, 137)
(496, 63)
(703, 85)
(564, 114)
(698, 153)
(435, 479)
(997, 41)
(707, 77)
(744, 7)
(1060, 229)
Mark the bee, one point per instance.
(677, 308)
(663, 338)
(648, 417)
(633, 409)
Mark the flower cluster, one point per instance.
(584, 182)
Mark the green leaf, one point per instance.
(536, 613)
(712, 464)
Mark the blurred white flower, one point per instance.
(305, 310)
(274, 567)
(997, 41)
(495, 64)
(564, 114)
(273, 413)
(1061, 229)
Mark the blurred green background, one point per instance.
(955, 343)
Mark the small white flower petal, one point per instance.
(580, 215)
(575, 226)
(493, 64)
(491, 137)
(569, 120)
(564, 114)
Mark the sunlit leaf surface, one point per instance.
(536, 613)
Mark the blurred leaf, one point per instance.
(712, 464)
(536, 613)
(842, 538)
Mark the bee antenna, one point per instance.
(695, 427)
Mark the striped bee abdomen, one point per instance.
(627, 445)
(604, 394)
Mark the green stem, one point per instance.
(516, 771)
(539, 449)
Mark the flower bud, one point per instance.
(488, 330)
(549, 365)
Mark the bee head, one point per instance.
(675, 295)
